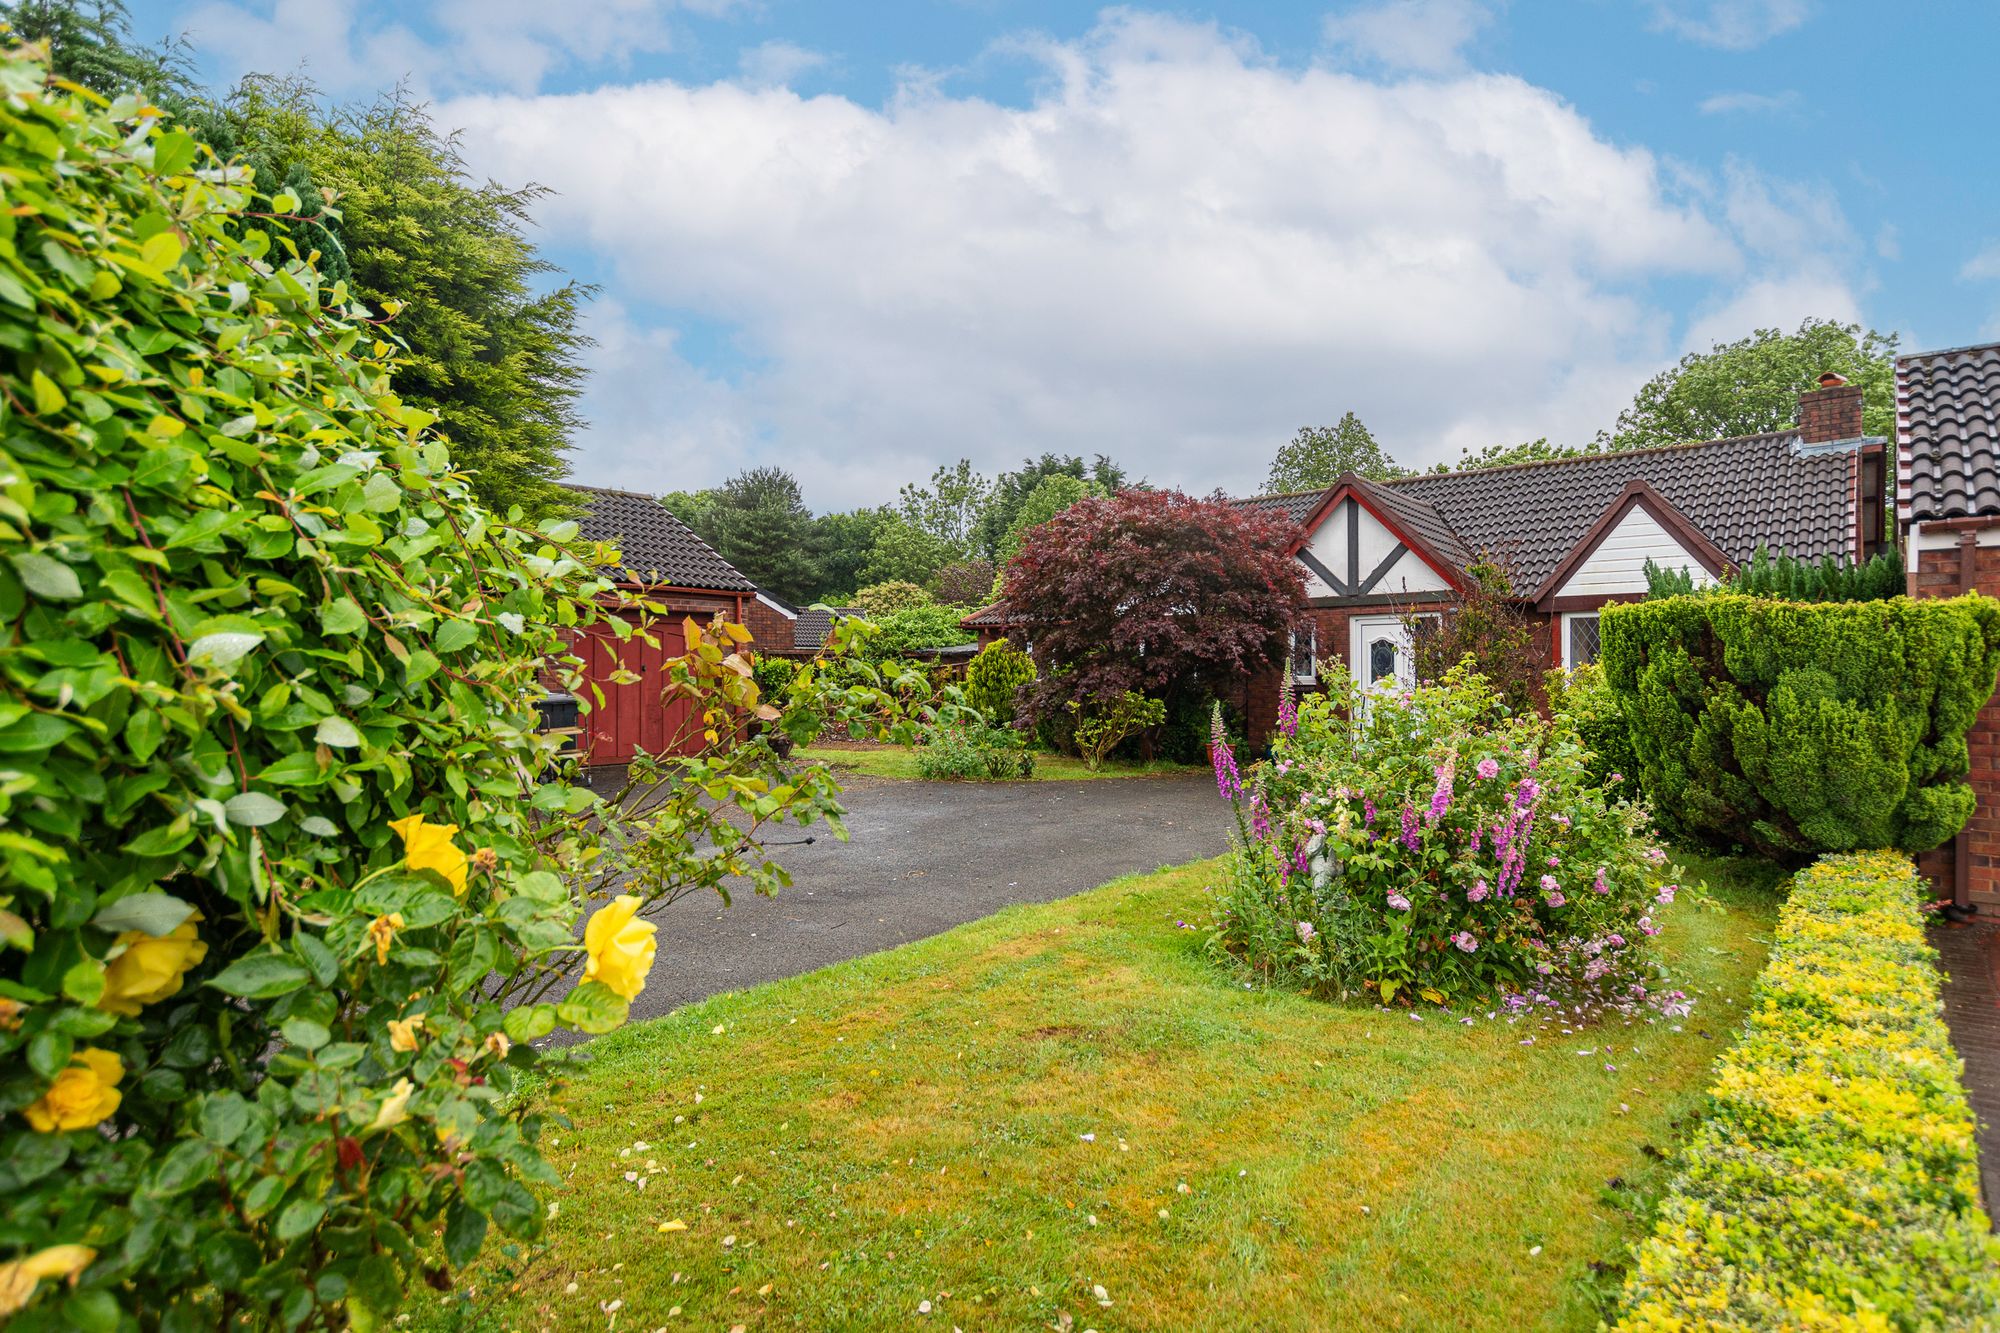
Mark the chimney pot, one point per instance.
(1832, 379)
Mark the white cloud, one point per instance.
(512, 44)
(1177, 254)
(1984, 266)
(1722, 104)
(776, 64)
(1733, 25)
(1426, 36)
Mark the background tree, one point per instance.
(1052, 495)
(904, 552)
(1487, 623)
(90, 43)
(758, 522)
(963, 583)
(841, 546)
(1318, 455)
(491, 348)
(948, 509)
(1011, 490)
(1505, 455)
(1154, 591)
(1752, 385)
(882, 599)
(694, 508)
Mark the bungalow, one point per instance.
(666, 563)
(1572, 535)
(1948, 508)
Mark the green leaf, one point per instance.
(143, 733)
(305, 1034)
(529, 1022)
(224, 650)
(84, 982)
(454, 635)
(161, 252)
(464, 1233)
(152, 912)
(48, 394)
(261, 976)
(293, 770)
(46, 577)
(254, 809)
(593, 1007)
(338, 732)
(173, 153)
(299, 1217)
(420, 668)
(342, 616)
(224, 1117)
(319, 826)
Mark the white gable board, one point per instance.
(1373, 543)
(1619, 563)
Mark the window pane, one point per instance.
(1305, 651)
(1582, 640)
(1381, 659)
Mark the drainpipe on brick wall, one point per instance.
(1961, 854)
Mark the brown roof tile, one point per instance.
(657, 548)
(1948, 433)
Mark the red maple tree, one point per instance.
(1155, 591)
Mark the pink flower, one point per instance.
(1465, 941)
(1478, 891)
(1398, 901)
(1488, 769)
(1601, 886)
(1667, 892)
(1549, 883)
(1306, 932)
(1646, 924)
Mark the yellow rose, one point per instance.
(395, 1107)
(619, 947)
(18, 1279)
(428, 846)
(82, 1094)
(151, 967)
(382, 930)
(403, 1034)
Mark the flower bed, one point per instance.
(1834, 1182)
(1433, 843)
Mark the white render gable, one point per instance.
(1358, 550)
(1618, 565)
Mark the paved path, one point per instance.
(1971, 958)
(923, 857)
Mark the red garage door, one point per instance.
(632, 717)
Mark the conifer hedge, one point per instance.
(1794, 728)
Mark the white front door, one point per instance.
(1379, 649)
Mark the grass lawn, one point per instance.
(1058, 1098)
(896, 761)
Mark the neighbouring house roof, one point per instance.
(656, 547)
(815, 625)
(1948, 433)
(994, 615)
(1740, 493)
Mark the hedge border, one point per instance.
(1834, 1181)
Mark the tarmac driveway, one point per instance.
(923, 857)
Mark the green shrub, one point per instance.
(1828, 579)
(774, 675)
(1580, 699)
(285, 903)
(995, 675)
(1834, 1181)
(1435, 843)
(1802, 727)
(901, 633)
(970, 749)
(879, 599)
(1102, 724)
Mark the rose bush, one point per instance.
(291, 881)
(1433, 843)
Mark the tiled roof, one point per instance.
(815, 625)
(656, 547)
(1744, 492)
(1948, 433)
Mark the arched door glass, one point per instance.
(1381, 659)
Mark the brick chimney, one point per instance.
(1831, 412)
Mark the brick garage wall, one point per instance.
(770, 631)
(1939, 574)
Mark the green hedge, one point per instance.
(1834, 1180)
(1795, 728)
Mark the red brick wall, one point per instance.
(770, 631)
(1939, 574)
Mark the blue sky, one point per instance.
(860, 240)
